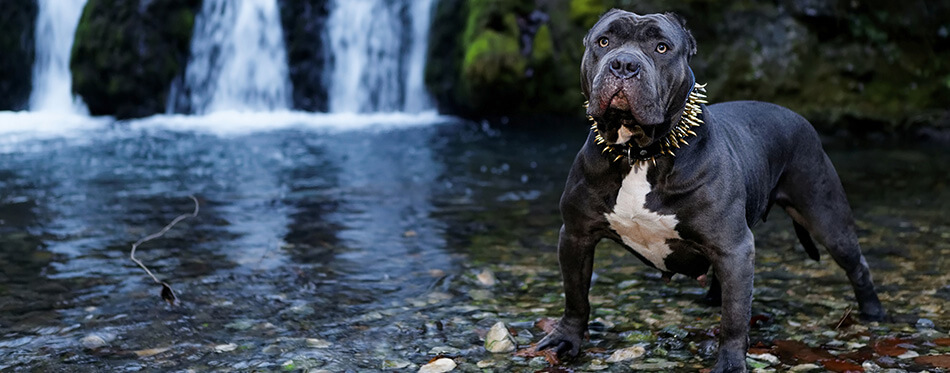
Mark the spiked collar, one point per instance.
(690, 118)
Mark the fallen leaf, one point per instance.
(942, 341)
(546, 324)
(937, 361)
(892, 346)
(841, 366)
(167, 294)
(550, 354)
(795, 352)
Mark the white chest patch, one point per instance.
(643, 230)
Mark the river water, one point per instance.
(340, 249)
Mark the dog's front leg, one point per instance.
(735, 267)
(575, 253)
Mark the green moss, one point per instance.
(493, 58)
(543, 49)
(586, 12)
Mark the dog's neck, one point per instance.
(690, 117)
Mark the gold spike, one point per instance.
(684, 142)
(618, 157)
(605, 150)
(691, 132)
(654, 161)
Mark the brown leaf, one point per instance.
(937, 361)
(862, 354)
(838, 365)
(550, 354)
(891, 346)
(795, 352)
(942, 341)
(546, 324)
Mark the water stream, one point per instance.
(52, 81)
(238, 60)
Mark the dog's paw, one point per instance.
(566, 338)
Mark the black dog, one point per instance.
(679, 183)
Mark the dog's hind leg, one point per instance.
(811, 193)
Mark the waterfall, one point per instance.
(238, 61)
(52, 81)
(377, 49)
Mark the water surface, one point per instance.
(322, 247)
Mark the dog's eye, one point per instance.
(661, 48)
(603, 42)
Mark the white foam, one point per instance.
(236, 123)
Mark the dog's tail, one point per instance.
(806, 241)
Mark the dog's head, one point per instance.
(635, 74)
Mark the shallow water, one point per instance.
(321, 248)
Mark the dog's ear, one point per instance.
(690, 41)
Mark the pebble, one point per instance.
(499, 339)
(438, 366)
(908, 355)
(771, 359)
(485, 364)
(443, 350)
(626, 354)
(804, 368)
(225, 347)
(925, 324)
(395, 364)
(660, 365)
(871, 367)
(318, 343)
(92, 341)
(487, 278)
(597, 364)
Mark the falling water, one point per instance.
(380, 67)
(52, 80)
(238, 61)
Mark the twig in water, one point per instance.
(167, 294)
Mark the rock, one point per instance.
(769, 358)
(626, 354)
(499, 339)
(438, 366)
(804, 368)
(597, 364)
(395, 364)
(225, 347)
(908, 355)
(487, 278)
(127, 53)
(538, 362)
(92, 341)
(871, 367)
(482, 364)
(654, 366)
(318, 343)
(304, 23)
(443, 350)
(17, 25)
(925, 324)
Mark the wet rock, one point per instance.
(769, 358)
(871, 367)
(486, 278)
(626, 354)
(395, 364)
(804, 368)
(597, 364)
(443, 350)
(438, 366)
(908, 355)
(225, 347)
(654, 365)
(499, 339)
(482, 364)
(92, 341)
(318, 343)
(925, 324)
(538, 362)
(239, 325)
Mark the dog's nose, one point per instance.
(624, 66)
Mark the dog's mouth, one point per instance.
(618, 124)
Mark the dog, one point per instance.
(679, 183)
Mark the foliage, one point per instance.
(859, 66)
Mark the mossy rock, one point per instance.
(17, 25)
(126, 54)
(304, 22)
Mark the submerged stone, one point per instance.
(499, 339)
(626, 354)
(438, 366)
